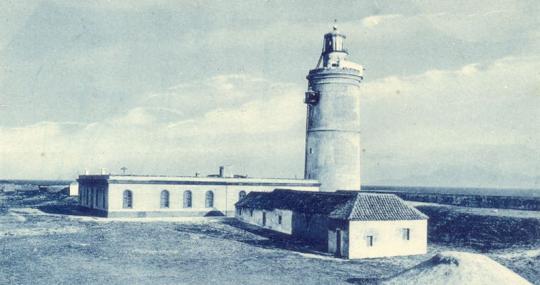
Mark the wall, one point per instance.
(343, 226)
(272, 219)
(333, 130)
(311, 227)
(146, 199)
(388, 238)
(74, 189)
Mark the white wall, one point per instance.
(272, 219)
(334, 130)
(146, 197)
(74, 189)
(146, 192)
(387, 238)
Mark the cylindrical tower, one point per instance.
(333, 118)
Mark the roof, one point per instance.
(309, 202)
(340, 205)
(197, 180)
(378, 207)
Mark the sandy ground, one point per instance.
(38, 247)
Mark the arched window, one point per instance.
(128, 200)
(187, 199)
(164, 201)
(209, 199)
(241, 195)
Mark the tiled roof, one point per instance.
(337, 205)
(377, 207)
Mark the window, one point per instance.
(406, 234)
(128, 200)
(251, 212)
(280, 219)
(187, 199)
(310, 150)
(241, 195)
(164, 201)
(369, 241)
(209, 199)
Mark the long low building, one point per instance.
(348, 224)
(166, 196)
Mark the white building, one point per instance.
(347, 224)
(159, 196)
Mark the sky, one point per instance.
(450, 97)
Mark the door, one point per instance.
(264, 219)
(338, 243)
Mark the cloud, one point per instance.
(474, 117)
(372, 21)
(459, 127)
(482, 21)
(164, 136)
(468, 21)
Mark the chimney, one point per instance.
(222, 171)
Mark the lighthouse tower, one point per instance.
(333, 118)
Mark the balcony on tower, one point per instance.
(312, 97)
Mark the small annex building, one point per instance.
(174, 196)
(74, 188)
(346, 223)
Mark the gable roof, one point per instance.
(377, 207)
(342, 205)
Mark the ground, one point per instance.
(39, 245)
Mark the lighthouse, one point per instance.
(332, 153)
